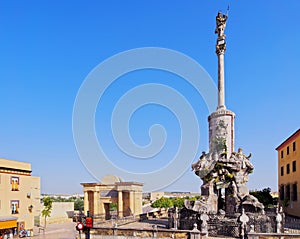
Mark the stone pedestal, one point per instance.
(208, 190)
(232, 202)
(221, 130)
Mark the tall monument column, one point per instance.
(222, 168)
(221, 91)
(221, 122)
(220, 50)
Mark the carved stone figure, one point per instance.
(221, 24)
(220, 28)
(231, 174)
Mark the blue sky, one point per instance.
(49, 47)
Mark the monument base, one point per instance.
(221, 130)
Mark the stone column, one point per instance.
(138, 202)
(86, 202)
(96, 203)
(221, 91)
(220, 50)
(120, 204)
(102, 210)
(132, 202)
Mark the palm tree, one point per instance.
(46, 212)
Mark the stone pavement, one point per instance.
(57, 231)
(68, 231)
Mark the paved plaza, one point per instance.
(57, 231)
(68, 231)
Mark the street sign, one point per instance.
(79, 226)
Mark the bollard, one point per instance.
(154, 230)
(115, 229)
(243, 219)
(195, 233)
(204, 229)
(278, 221)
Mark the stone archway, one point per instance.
(98, 196)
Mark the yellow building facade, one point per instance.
(19, 197)
(289, 174)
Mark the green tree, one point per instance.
(78, 204)
(193, 198)
(46, 212)
(264, 196)
(172, 202)
(113, 206)
(286, 202)
(162, 203)
(178, 202)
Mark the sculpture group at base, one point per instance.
(225, 206)
(224, 183)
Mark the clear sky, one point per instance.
(47, 49)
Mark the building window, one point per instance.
(281, 153)
(14, 204)
(288, 192)
(294, 146)
(281, 193)
(294, 166)
(287, 150)
(294, 192)
(288, 168)
(282, 171)
(14, 183)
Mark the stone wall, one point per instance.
(138, 233)
(61, 212)
(273, 236)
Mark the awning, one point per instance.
(8, 222)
